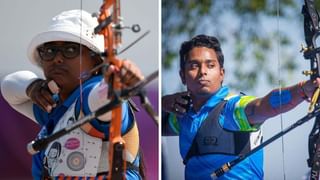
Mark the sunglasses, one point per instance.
(68, 51)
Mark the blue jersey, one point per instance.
(49, 120)
(232, 118)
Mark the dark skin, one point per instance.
(203, 76)
(65, 73)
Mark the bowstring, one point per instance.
(280, 86)
(80, 66)
(80, 71)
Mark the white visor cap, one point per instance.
(73, 26)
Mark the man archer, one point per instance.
(213, 125)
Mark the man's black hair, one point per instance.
(200, 41)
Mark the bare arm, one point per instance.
(279, 101)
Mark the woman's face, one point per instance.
(63, 62)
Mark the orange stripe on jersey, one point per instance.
(94, 132)
(89, 129)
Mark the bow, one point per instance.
(311, 52)
(110, 26)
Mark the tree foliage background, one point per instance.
(261, 40)
(243, 24)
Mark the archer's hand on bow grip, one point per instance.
(310, 86)
(127, 75)
(177, 103)
(315, 86)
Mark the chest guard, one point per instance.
(211, 138)
(80, 153)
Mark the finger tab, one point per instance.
(53, 87)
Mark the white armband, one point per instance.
(13, 89)
(14, 86)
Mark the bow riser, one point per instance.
(312, 52)
(111, 30)
(311, 32)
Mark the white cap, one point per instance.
(74, 26)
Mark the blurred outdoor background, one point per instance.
(261, 42)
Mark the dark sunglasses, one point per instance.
(68, 51)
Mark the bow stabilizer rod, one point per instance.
(227, 166)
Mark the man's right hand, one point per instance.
(177, 103)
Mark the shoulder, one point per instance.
(230, 96)
(239, 100)
(93, 87)
(236, 104)
(91, 83)
(235, 112)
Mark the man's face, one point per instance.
(202, 73)
(64, 68)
